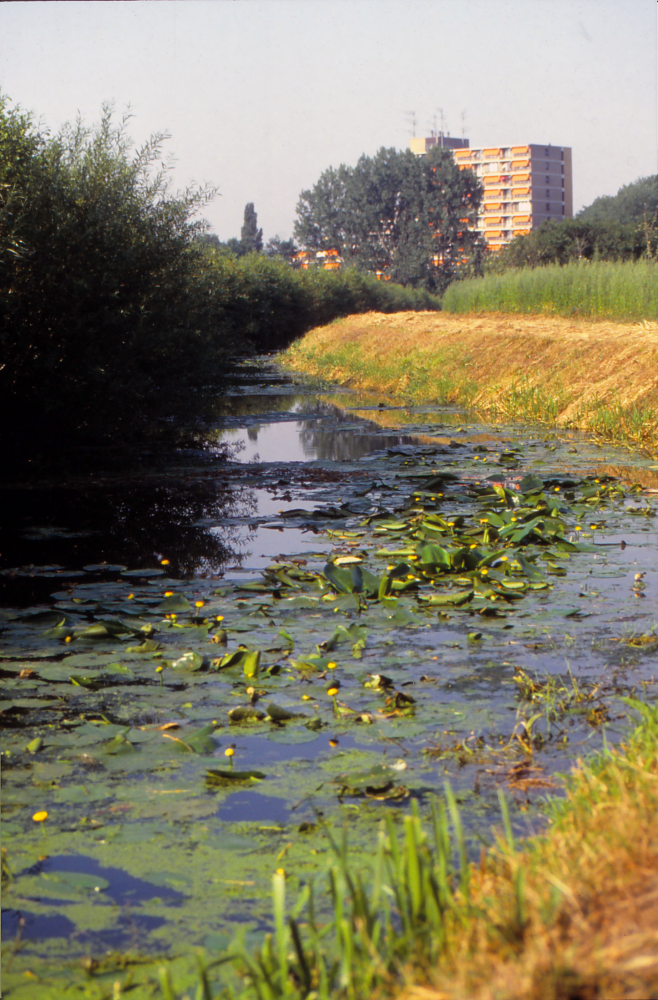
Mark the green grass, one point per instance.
(523, 923)
(624, 290)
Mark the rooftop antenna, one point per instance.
(434, 129)
(412, 121)
(443, 125)
(463, 116)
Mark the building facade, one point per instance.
(523, 185)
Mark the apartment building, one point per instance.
(523, 185)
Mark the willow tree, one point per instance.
(103, 313)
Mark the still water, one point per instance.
(154, 621)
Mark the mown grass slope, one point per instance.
(600, 376)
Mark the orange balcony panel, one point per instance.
(493, 151)
(493, 235)
(495, 206)
(462, 154)
(519, 150)
(518, 220)
(519, 192)
(494, 221)
(521, 177)
(492, 180)
(490, 195)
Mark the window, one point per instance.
(548, 207)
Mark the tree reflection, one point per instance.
(130, 523)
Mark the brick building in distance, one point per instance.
(523, 185)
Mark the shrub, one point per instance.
(115, 313)
(104, 311)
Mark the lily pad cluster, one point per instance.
(136, 705)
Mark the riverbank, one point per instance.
(597, 376)
(571, 913)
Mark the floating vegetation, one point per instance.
(194, 733)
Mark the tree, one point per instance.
(104, 314)
(276, 247)
(558, 242)
(405, 216)
(251, 237)
(631, 205)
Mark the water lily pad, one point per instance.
(144, 573)
(291, 735)
(227, 776)
(105, 568)
(189, 661)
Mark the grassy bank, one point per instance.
(598, 376)
(570, 913)
(621, 290)
(567, 914)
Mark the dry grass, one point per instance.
(588, 926)
(599, 376)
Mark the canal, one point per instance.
(322, 614)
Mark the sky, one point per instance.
(261, 96)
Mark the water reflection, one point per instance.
(328, 434)
(133, 524)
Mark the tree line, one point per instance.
(117, 321)
(120, 313)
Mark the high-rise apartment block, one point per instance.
(523, 185)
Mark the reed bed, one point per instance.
(622, 290)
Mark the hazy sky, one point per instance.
(261, 96)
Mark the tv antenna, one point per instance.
(463, 117)
(411, 121)
(442, 119)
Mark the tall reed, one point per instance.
(625, 290)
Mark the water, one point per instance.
(116, 706)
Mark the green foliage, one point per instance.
(251, 236)
(103, 311)
(624, 290)
(117, 312)
(268, 303)
(623, 227)
(276, 247)
(630, 205)
(556, 242)
(397, 213)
